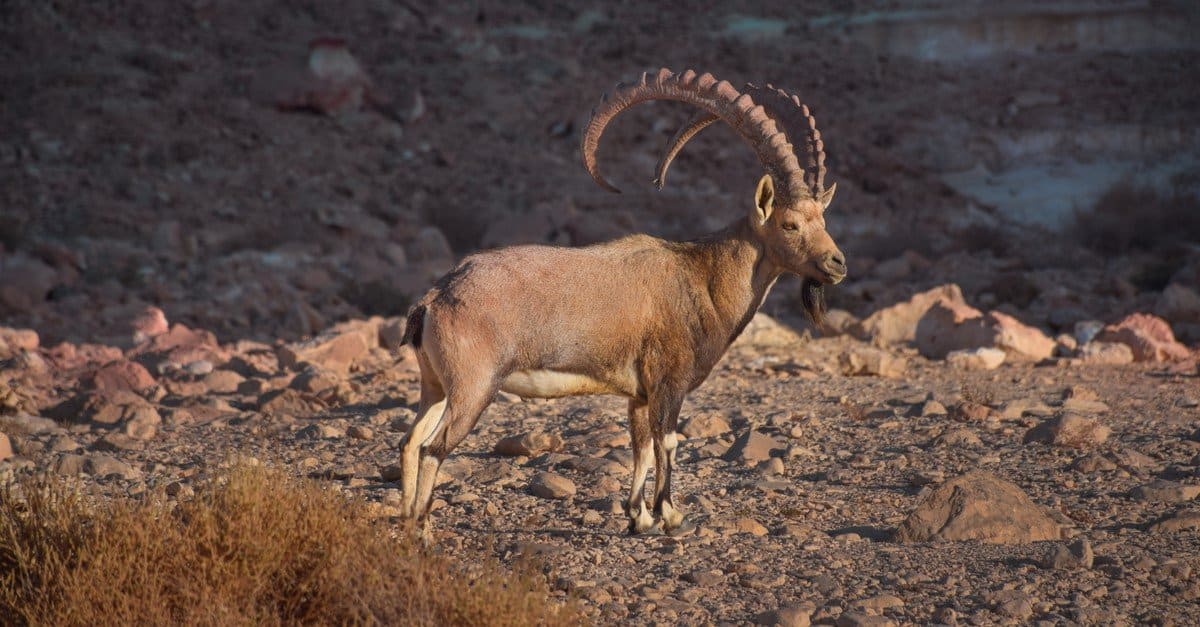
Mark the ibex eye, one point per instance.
(790, 226)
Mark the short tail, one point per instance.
(414, 326)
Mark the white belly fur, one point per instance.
(553, 384)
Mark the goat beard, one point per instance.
(812, 295)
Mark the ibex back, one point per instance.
(638, 317)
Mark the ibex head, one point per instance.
(789, 203)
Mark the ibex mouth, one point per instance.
(812, 296)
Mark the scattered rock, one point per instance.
(15, 341)
(786, 616)
(1094, 462)
(1069, 430)
(978, 506)
(336, 349)
(861, 619)
(6, 450)
(1012, 604)
(1106, 354)
(707, 425)
(150, 323)
(549, 485)
(321, 431)
(752, 447)
(898, 323)
(529, 444)
(958, 438)
(1163, 491)
(763, 331)
(289, 402)
(1182, 521)
(223, 381)
(968, 411)
(947, 327)
(976, 359)
(122, 375)
(745, 524)
(1075, 555)
(862, 361)
(1148, 336)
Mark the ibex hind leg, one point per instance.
(463, 409)
(429, 416)
(640, 520)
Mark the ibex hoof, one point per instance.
(652, 530)
(683, 528)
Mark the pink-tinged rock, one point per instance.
(1019, 339)
(152, 322)
(24, 283)
(122, 375)
(1148, 336)
(180, 346)
(13, 341)
(898, 323)
(334, 81)
(335, 349)
(1179, 304)
(6, 450)
(948, 327)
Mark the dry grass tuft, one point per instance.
(252, 547)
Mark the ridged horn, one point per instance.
(700, 121)
(789, 114)
(720, 99)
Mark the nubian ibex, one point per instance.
(638, 317)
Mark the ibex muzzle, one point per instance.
(638, 317)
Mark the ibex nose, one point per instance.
(834, 264)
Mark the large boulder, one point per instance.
(948, 327)
(1148, 336)
(979, 506)
(898, 323)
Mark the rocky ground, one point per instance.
(270, 176)
(836, 480)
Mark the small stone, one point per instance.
(1094, 462)
(1105, 354)
(863, 361)
(1163, 491)
(321, 431)
(984, 358)
(198, 368)
(360, 432)
(968, 411)
(529, 444)
(116, 441)
(787, 616)
(1183, 521)
(958, 438)
(549, 485)
(1069, 430)
(752, 447)
(1075, 555)
(390, 472)
(861, 619)
(6, 450)
(745, 524)
(878, 604)
(223, 381)
(707, 425)
(771, 467)
(931, 408)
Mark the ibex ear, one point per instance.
(827, 196)
(764, 198)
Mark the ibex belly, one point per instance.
(554, 384)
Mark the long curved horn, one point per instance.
(736, 109)
(789, 114)
(700, 121)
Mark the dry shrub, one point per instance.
(252, 547)
(1132, 217)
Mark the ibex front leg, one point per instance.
(664, 417)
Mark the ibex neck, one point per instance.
(739, 273)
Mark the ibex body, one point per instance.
(638, 317)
